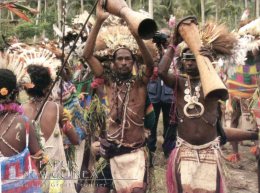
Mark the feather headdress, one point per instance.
(251, 31)
(218, 39)
(19, 56)
(248, 40)
(81, 18)
(252, 28)
(114, 35)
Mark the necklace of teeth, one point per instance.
(192, 100)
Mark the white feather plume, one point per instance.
(19, 56)
(252, 28)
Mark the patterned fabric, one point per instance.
(18, 173)
(240, 90)
(195, 168)
(243, 82)
(73, 105)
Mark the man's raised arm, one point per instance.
(166, 61)
(88, 52)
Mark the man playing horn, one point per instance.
(123, 144)
(196, 158)
(197, 142)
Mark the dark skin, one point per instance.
(196, 131)
(48, 118)
(16, 137)
(122, 66)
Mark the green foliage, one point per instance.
(228, 11)
(26, 30)
(161, 19)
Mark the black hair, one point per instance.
(132, 54)
(8, 81)
(41, 78)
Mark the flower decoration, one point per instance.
(4, 91)
(11, 107)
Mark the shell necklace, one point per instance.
(192, 100)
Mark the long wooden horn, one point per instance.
(211, 83)
(144, 26)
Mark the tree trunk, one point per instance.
(59, 4)
(45, 6)
(39, 10)
(246, 5)
(81, 6)
(216, 15)
(129, 2)
(235, 21)
(202, 2)
(256, 8)
(151, 8)
(45, 12)
(12, 16)
(37, 17)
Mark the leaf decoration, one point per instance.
(25, 8)
(18, 9)
(18, 13)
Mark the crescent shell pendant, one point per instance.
(193, 115)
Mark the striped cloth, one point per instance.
(242, 84)
(194, 168)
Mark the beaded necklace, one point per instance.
(117, 91)
(122, 117)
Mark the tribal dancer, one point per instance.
(124, 142)
(18, 141)
(52, 118)
(74, 153)
(242, 81)
(197, 156)
(197, 147)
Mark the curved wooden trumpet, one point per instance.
(144, 26)
(211, 83)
